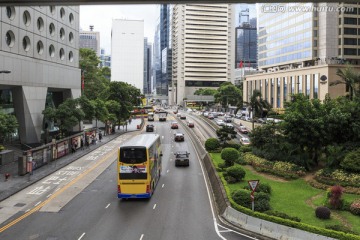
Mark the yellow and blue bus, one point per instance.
(139, 166)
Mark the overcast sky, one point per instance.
(101, 17)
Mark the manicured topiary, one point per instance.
(261, 187)
(355, 207)
(261, 205)
(212, 144)
(229, 155)
(242, 197)
(322, 212)
(234, 174)
(221, 167)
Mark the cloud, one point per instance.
(101, 16)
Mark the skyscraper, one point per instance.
(203, 48)
(147, 67)
(301, 46)
(127, 52)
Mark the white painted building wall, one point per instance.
(127, 50)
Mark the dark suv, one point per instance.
(182, 158)
(150, 128)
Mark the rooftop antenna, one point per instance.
(91, 27)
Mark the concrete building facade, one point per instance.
(203, 48)
(127, 52)
(300, 51)
(40, 49)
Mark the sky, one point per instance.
(101, 17)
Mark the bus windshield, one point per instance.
(133, 155)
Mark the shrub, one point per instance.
(282, 215)
(229, 155)
(262, 205)
(240, 160)
(262, 187)
(244, 149)
(232, 144)
(355, 207)
(341, 177)
(221, 167)
(212, 144)
(262, 196)
(2, 148)
(234, 173)
(322, 212)
(242, 197)
(335, 196)
(351, 161)
(339, 228)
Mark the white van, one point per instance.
(150, 116)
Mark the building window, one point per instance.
(272, 92)
(52, 51)
(62, 54)
(278, 93)
(71, 37)
(352, 21)
(40, 47)
(62, 34)
(285, 88)
(52, 29)
(350, 41)
(299, 83)
(10, 12)
(292, 84)
(10, 38)
(316, 86)
(26, 43)
(40, 24)
(52, 10)
(71, 18)
(350, 51)
(307, 82)
(350, 31)
(26, 18)
(71, 56)
(62, 13)
(267, 89)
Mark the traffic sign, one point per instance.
(253, 184)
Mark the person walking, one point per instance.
(82, 143)
(100, 136)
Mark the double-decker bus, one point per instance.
(139, 166)
(141, 111)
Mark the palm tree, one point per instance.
(258, 105)
(350, 78)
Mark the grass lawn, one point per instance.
(297, 198)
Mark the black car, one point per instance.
(182, 158)
(150, 128)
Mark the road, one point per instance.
(80, 201)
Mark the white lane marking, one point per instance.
(37, 203)
(167, 170)
(154, 206)
(49, 195)
(107, 205)
(82, 235)
(27, 210)
(162, 137)
(142, 235)
(170, 159)
(163, 186)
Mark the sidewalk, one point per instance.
(16, 183)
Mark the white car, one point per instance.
(229, 125)
(220, 122)
(245, 141)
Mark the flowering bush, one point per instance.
(335, 196)
(338, 176)
(355, 207)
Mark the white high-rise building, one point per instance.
(127, 52)
(203, 49)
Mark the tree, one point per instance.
(8, 125)
(228, 94)
(259, 106)
(68, 114)
(88, 107)
(350, 78)
(229, 155)
(96, 80)
(101, 112)
(225, 133)
(205, 92)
